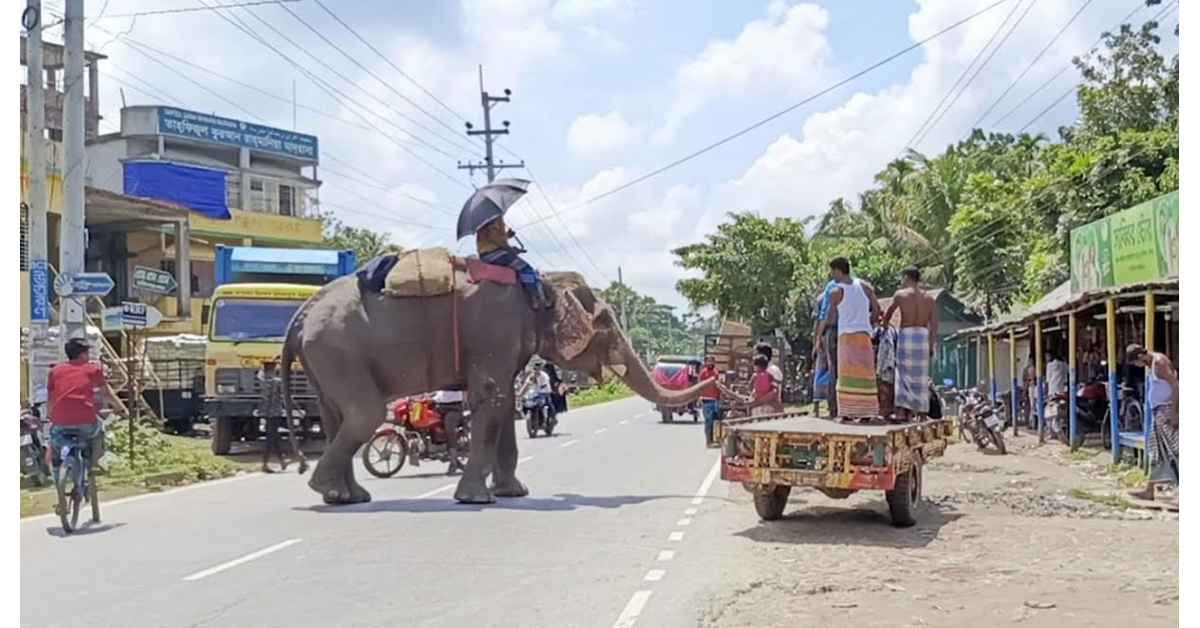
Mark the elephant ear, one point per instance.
(573, 327)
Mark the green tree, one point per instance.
(365, 243)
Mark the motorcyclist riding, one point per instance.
(539, 381)
(449, 404)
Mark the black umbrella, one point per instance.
(489, 203)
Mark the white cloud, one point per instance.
(586, 11)
(595, 135)
(785, 53)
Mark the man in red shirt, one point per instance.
(72, 399)
(710, 398)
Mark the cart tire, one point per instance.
(770, 501)
(905, 497)
(667, 416)
(222, 435)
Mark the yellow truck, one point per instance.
(247, 324)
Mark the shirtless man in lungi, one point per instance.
(915, 344)
(852, 304)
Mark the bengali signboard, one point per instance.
(202, 126)
(1135, 245)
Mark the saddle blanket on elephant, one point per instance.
(421, 273)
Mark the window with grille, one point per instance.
(258, 195)
(233, 191)
(287, 200)
(24, 237)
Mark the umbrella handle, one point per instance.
(520, 245)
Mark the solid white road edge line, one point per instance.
(633, 609)
(684, 522)
(238, 561)
(440, 489)
(675, 536)
(666, 555)
(569, 443)
(690, 512)
(706, 485)
(654, 575)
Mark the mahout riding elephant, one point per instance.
(361, 349)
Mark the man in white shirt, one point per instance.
(773, 369)
(1056, 375)
(449, 404)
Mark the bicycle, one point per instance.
(78, 472)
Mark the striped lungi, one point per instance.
(912, 369)
(857, 394)
(1163, 447)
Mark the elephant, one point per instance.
(360, 350)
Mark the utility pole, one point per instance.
(35, 161)
(489, 134)
(621, 304)
(72, 244)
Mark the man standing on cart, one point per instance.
(853, 305)
(915, 344)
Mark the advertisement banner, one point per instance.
(1135, 245)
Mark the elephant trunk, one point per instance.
(638, 378)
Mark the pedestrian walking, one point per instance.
(271, 410)
(1163, 448)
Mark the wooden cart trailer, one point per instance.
(771, 454)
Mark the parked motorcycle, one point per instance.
(979, 422)
(33, 448)
(538, 414)
(414, 430)
(1092, 413)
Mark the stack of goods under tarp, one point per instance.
(175, 360)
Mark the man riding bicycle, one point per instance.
(73, 387)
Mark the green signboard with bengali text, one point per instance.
(1135, 245)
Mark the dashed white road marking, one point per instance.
(690, 512)
(654, 575)
(622, 422)
(238, 561)
(569, 443)
(675, 536)
(684, 522)
(633, 609)
(601, 430)
(706, 485)
(666, 555)
(525, 459)
(440, 489)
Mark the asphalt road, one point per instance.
(602, 540)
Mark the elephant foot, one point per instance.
(475, 492)
(358, 494)
(332, 493)
(510, 488)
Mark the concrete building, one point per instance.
(244, 185)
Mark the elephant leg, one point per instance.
(334, 476)
(504, 477)
(492, 404)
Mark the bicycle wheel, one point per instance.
(69, 493)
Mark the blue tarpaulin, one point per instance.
(201, 190)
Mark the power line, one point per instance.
(912, 141)
(787, 110)
(1032, 63)
(388, 61)
(1140, 5)
(386, 84)
(252, 3)
(1047, 109)
(1015, 25)
(554, 212)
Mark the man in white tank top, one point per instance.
(1163, 395)
(854, 306)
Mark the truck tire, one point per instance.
(667, 416)
(222, 435)
(905, 497)
(769, 501)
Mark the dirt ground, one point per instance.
(1034, 538)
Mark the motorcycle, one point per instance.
(538, 414)
(33, 449)
(979, 422)
(1092, 413)
(414, 430)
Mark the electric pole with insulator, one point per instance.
(489, 134)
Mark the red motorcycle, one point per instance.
(414, 430)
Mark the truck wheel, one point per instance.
(905, 497)
(667, 416)
(222, 435)
(769, 501)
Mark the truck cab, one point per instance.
(258, 292)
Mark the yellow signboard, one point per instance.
(260, 226)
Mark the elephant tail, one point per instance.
(286, 357)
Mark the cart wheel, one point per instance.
(769, 501)
(905, 497)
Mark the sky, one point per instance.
(603, 92)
